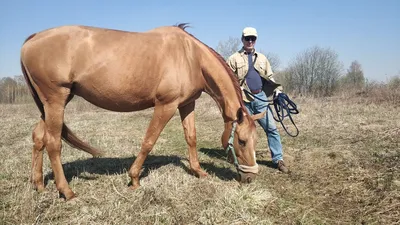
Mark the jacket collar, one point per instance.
(243, 52)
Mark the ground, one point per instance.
(344, 169)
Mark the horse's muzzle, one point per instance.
(246, 178)
(247, 174)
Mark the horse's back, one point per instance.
(117, 70)
(87, 50)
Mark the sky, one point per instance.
(364, 30)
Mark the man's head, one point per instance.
(249, 37)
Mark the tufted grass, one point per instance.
(344, 169)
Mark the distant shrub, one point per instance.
(384, 92)
(394, 83)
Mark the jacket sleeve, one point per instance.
(231, 63)
(268, 69)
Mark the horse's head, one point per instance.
(239, 140)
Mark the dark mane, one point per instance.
(235, 82)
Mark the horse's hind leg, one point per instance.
(162, 114)
(54, 121)
(37, 156)
(188, 123)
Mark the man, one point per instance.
(250, 67)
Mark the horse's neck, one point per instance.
(220, 87)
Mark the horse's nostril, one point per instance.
(249, 180)
(239, 178)
(245, 178)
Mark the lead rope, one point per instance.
(230, 145)
(284, 107)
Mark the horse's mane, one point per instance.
(235, 82)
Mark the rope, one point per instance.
(230, 145)
(284, 107)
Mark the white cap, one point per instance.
(249, 31)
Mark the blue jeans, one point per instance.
(268, 124)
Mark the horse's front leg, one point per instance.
(162, 114)
(188, 123)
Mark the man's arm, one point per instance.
(231, 63)
(268, 69)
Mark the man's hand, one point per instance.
(276, 92)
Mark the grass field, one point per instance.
(344, 169)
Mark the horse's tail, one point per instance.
(66, 134)
(69, 137)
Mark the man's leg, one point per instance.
(275, 144)
(269, 126)
(274, 139)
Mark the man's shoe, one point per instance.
(281, 167)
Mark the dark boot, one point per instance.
(282, 167)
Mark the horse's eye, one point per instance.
(242, 143)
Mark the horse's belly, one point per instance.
(117, 101)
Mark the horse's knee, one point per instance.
(147, 146)
(52, 145)
(38, 136)
(38, 145)
(191, 140)
(37, 157)
(52, 142)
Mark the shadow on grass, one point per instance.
(105, 166)
(220, 154)
(267, 163)
(214, 153)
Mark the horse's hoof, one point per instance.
(134, 187)
(40, 189)
(73, 201)
(68, 196)
(200, 174)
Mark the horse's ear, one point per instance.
(240, 115)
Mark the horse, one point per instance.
(165, 68)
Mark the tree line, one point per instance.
(14, 90)
(315, 72)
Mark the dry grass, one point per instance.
(345, 170)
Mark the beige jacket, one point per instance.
(238, 62)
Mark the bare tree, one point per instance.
(315, 71)
(23, 93)
(273, 59)
(228, 47)
(394, 83)
(355, 77)
(14, 90)
(232, 45)
(7, 90)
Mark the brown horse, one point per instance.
(165, 68)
